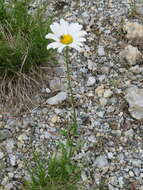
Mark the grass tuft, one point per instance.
(57, 173)
(22, 36)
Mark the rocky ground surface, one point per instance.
(108, 85)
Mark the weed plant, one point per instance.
(22, 36)
(57, 173)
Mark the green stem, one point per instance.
(74, 125)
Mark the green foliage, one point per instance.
(22, 36)
(57, 173)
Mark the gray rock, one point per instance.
(59, 98)
(4, 134)
(134, 97)
(55, 84)
(100, 50)
(12, 159)
(91, 81)
(101, 161)
(139, 9)
(131, 54)
(1, 155)
(110, 187)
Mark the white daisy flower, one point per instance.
(66, 34)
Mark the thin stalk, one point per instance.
(74, 125)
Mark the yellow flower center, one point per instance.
(66, 39)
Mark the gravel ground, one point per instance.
(112, 137)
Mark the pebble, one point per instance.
(131, 54)
(91, 81)
(59, 98)
(131, 173)
(134, 97)
(55, 84)
(1, 155)
(101, 162)
(107, 93)
(4, 134)
(12, 159)
(101, 51)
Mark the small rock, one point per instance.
(4, 134)
(45, 110)
(55, 84)
(134, 30)
(110, 155)
(9, 145)
(121, 182)
(59, 98)
(54, 119)
(103, 101)
(110, 187)
(92, 139)
(47, 90)
(108, 93)
(84, 176)
(91, 81)
(101, 161)
(113, 180)
(139, 9)
(134, 97)
(129, 133)
(131, 54)
(12, 160)
(22, 138)
(9, 186)
(101, 51)
(1, 155)
(131, 173)
(99, 90)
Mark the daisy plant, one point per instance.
(67, 35)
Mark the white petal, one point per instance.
(80, 40)
(73, 45)
(78, 43)
(56, 29)
(54, 45)
(51, 36)
(60, 49)
(75, 27)
(64, 26)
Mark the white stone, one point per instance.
(131, 54)
(110, 187)
(1, 155)
(121, 182)
(110, 155)
(56, 84)
(108, 93)
(9, 186)
(92, 139)
(9, 145)
(47, 90)
(103, 101)
(22, 138)
(54, 119)
(131, 173)
(59, 98)
(129, 133)
(100, 90)
(101, 51)
(134, 30)
(134, 97)
(101, 162)
(12, 159)
(91, 81)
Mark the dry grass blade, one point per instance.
(18, 92)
